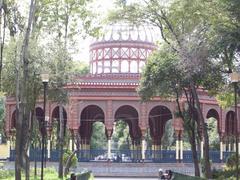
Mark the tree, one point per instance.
(23, 104)
(24, 83)
(213, 133)
(59, 65)
(35, 140)
(160, 78)
(168, 139)
(62, 21)
(98, 138)
(184, 27)
(121, 135)
(22, 53)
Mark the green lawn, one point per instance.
(49, 174)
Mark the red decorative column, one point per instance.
(76, 143)
(143, 144)
(109, 135)
(178, 127)
(73, 116)
(109, 120)
(221, 146)
(49, 131)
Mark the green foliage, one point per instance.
(59, 63)
(148, 139)
(160, 75)
(121, 137)
(168, 140)
(67, 19)
(213, 134)
(13, 68)
(98, 138)
(79, 68)
(202, 163)
(228, 172)
(231, 161)
(6, 174)
(225, 99)
(54, 134)
(49, 174)
(185, 56)
(74, 160)
(35, 134)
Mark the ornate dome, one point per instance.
(122, 49)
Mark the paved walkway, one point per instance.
(105, 169)
(121, 178)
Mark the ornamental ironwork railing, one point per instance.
(126, 156)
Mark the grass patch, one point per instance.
(49, 174)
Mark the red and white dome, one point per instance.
(122, 49)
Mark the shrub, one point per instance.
(6, 174)
(66, 155)
(231, 161)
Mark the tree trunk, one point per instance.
(192, 139)
(18, 145)
(35, 161)
(68, 163)
(18, 126)
(207, 165)
(2, 37)
(23, 109)
(61, 141)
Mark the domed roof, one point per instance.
(127, 32)
(122, 49)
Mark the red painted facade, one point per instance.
(109, 93)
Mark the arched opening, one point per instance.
(124, 66)
(115, 66)
(37, 131)
(161, 131)
(91, 123)
(98, 141)
(141, 66)
(121, 141)
(39, 114)
(133, 67)
(213, 129)
(55, 126)
(230, 124)
(127, 134)
(40, 118)
(168, 139)
(13, 120)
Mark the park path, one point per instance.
(123, 178)
(114, 170)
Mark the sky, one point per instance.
(100, 6)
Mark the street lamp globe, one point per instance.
(45, 77)
(234, 77)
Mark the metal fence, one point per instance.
(159, 156)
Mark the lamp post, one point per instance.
(45, 78)
(235, 79)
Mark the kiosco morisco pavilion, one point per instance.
(108, 94)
